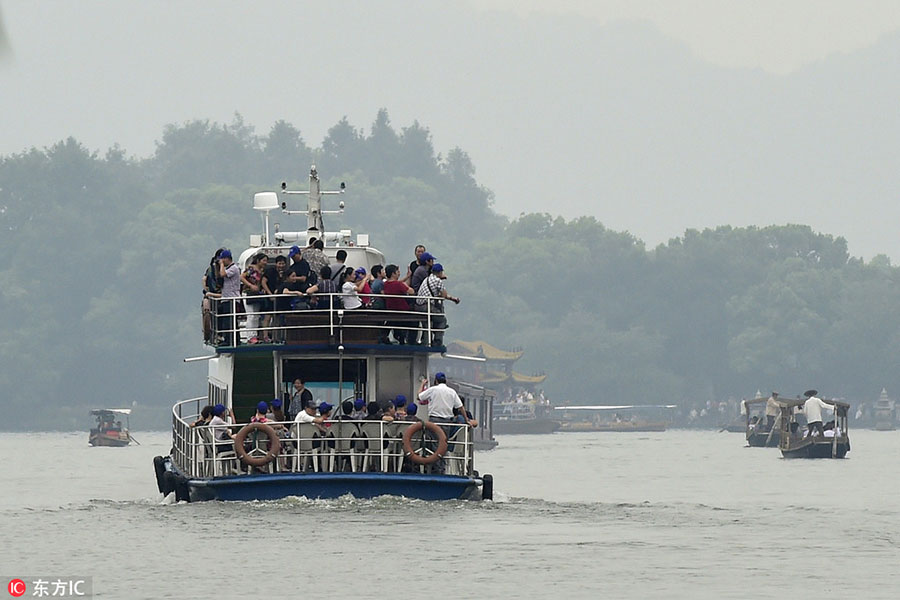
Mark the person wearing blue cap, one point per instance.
(426, 261)
(260, 417)
(231, 291)
(400, 406)
(298, 278)
(221, 434)
(359, 409)
(433, 292)
(325, 411)
(411, 410)
(441, 400)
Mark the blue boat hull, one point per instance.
(333, 485)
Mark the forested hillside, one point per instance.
(104, 254)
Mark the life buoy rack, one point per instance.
(436, 430)
(256, 461)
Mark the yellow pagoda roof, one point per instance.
(519, 378)
(500, 377)
(483, 349)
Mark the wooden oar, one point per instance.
(131, 437)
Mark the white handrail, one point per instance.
(413, 321)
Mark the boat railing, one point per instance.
(514, 411)
(335, 446)
(315, 319)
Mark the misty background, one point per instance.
(177, 113)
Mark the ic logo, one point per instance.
(16, 588)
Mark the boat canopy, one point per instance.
(103, 411)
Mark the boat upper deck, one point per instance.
(232, 328)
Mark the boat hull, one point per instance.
(761, 439)
(624, 426)
(102, 439)
(817, 450)
(524, 426)
(333, 485)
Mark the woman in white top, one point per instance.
(351, 288)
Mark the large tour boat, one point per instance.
(338, 356)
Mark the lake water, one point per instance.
(680, 514)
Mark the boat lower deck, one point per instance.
(274, 486)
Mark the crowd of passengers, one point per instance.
(446, 407)
(304, 283)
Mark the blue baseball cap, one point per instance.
(426, 257)
(219, 409)
(276, 402)
(225, 254)
(294, 250)
(359, 403)
(324, 408)
(262, 407)
(411, 409)
(437, 268)
(360, 271)
(400, 400)
(440, 375)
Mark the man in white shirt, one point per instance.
(812, 408)
(441, 400)
(219, 426)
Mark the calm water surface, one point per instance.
(680, 514)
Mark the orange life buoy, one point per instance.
(407, 443)
(257, 461)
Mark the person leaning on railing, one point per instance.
(433, 291)
(394, 287)
(441, 400)
(221, 434)
(231, 293)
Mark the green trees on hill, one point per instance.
(104, 255)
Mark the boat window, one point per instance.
(326, 379)
(394, 376)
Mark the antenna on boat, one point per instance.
(315, 225)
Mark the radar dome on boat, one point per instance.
(266, 201)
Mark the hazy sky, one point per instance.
(776, 35)
(653, 116)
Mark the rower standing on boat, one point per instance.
(812, 408)
(772, 410)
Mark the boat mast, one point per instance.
(315, 226)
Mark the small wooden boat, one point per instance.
(109, 430)
(794, 444)
(756, 429)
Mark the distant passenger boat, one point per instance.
(794, 444)
(109, 430)
(511, 418)
(577, 418)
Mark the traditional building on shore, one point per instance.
(495, 372)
